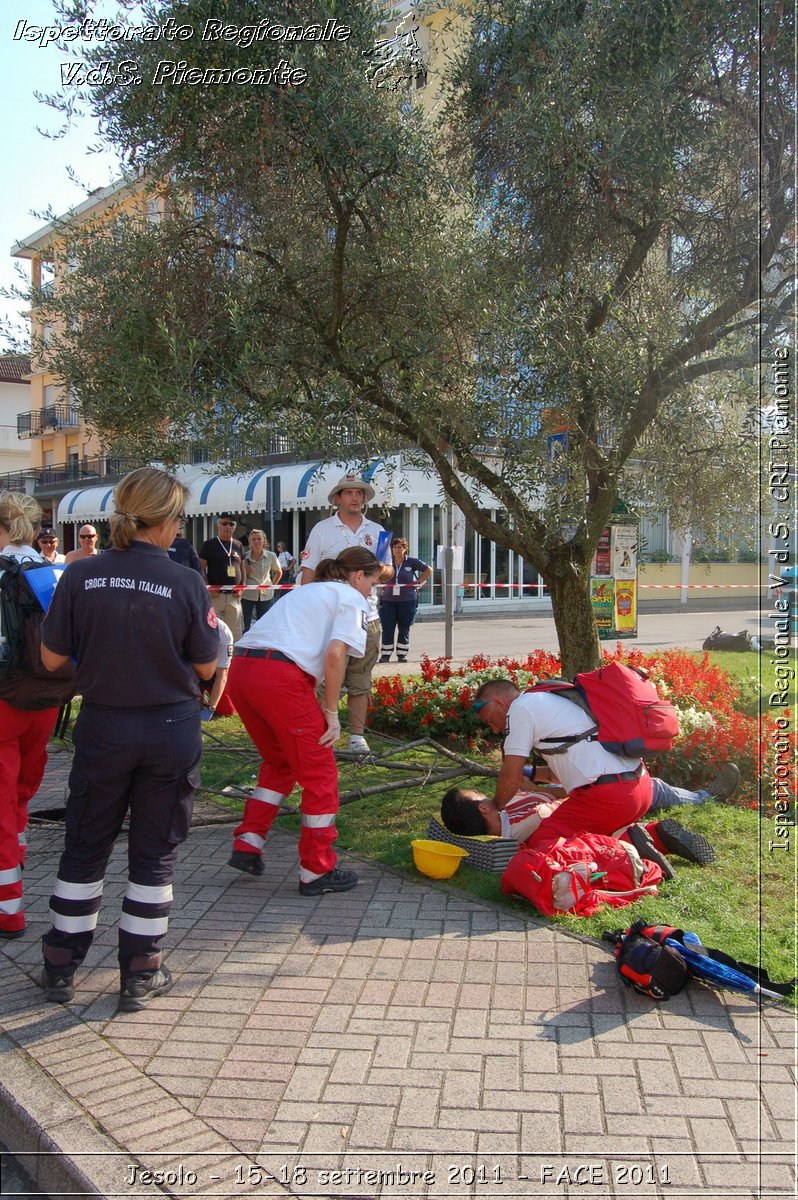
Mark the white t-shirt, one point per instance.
(330, 537)
(534, 716)
(23, 553)
(306, 620)
(225, 654)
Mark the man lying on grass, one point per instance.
(469, 813)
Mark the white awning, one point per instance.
(97, 503)
(302, 485)
(86, 504)
(305, 485)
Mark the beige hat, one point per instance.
(352, 481)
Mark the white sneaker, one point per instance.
(358, 744)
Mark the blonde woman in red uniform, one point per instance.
(276, 667)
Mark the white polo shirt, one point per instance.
(306, 620)
(330, 537)
(537, 715)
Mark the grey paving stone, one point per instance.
(423, 1019)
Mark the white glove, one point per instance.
(333, 730)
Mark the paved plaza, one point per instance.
(399, 1040)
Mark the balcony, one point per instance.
(44, 481)
(38, 480)
(46, 420)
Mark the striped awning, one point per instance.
(303, 485)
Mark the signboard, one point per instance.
(613, 579)
(557, 452)
(624, 551)
(626, 607)
(601, 559)
(602, 598)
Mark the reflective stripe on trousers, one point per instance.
(277, 704)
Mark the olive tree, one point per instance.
(587, 233)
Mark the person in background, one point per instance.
(288, 566)
(349, 527)
(24, 732)
(142, 631)
(262, 570)
(222, 561)
(399, 600)
(47, 544)
(276, 667)
(181, 551)
(87, 545)
(215, 701)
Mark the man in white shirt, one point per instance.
(605, 792)
(349, 527)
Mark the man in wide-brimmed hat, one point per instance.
(349, 527)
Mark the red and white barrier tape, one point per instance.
(238, 588)
(697, 585)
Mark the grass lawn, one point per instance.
(744, 904)
(755, 673)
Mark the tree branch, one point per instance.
(636, 258)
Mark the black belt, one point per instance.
(619, 777)
(277, 655)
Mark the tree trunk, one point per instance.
(574, 621)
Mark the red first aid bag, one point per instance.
(628, 715)
(579, 875)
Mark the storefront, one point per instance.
(287, 499)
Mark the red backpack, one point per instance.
(628, 716)
(579, 875)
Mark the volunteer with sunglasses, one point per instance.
(142, 630)
(222, 561)
(309, 635)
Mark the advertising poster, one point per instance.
(624, 551)
(602, 597)
(626, 606)
(601, 559)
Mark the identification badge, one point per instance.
(397, 591)
(231, 572)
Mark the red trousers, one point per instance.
(23, 755)
(599, 808)
(277, 703)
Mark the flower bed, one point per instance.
(437, 704)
